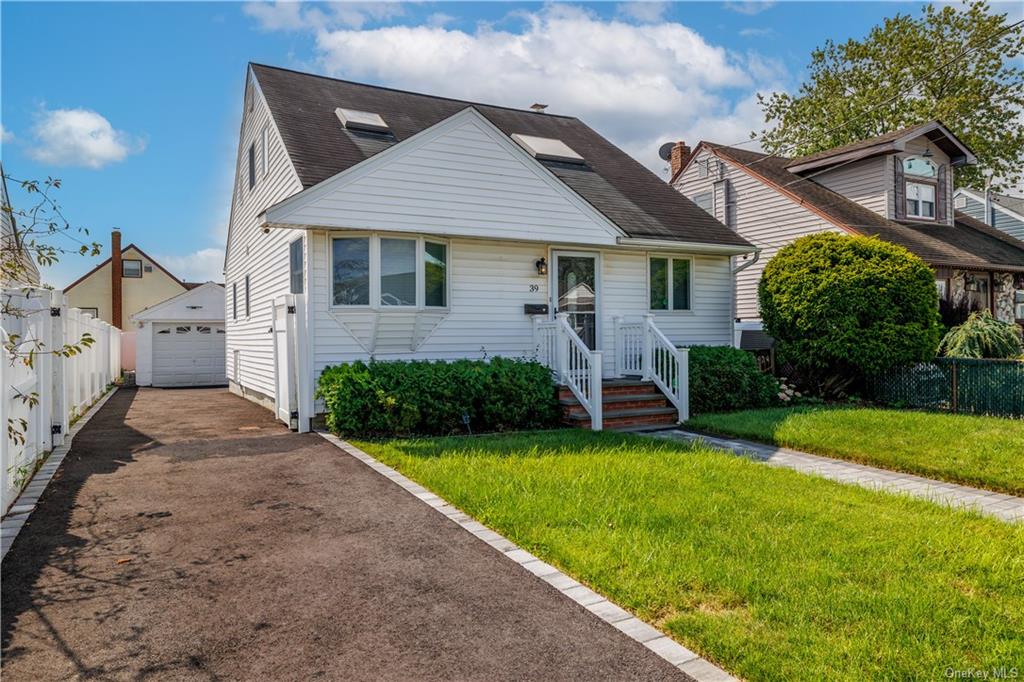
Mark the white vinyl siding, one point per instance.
(263, 256)
(763, 216)
(460, 179)
(489, 283)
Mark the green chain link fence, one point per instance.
(994, 387)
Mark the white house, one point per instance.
(897, 186)
(180, 341)
(368, 222)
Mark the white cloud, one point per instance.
(752, 32)
(5, 134)
(289, 15)
(204, 265)
(637, 85)
(80, 137)
(438, 19)
(647, 12)
(754, 7)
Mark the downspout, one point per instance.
(732, 305)
(988, 206)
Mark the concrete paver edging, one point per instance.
(999, 505)
(25, 504)
(676, 654)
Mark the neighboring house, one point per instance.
(1005, 213)
(16, 260)
(376, 223)
(124, 284)
(180, 341)
(898, 186)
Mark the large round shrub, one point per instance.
(724, 378)
(846, 307)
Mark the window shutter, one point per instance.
(941, 197)
(901, 189)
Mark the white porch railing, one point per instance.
(643, 349)
(559, 347)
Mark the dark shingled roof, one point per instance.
(859, 144)
(1015, 204)
(967, 243)
(627, 193)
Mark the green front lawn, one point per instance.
(987, 452)
(770, 573)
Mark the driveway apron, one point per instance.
(190, 535)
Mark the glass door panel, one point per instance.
(576, 287)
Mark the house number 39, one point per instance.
(534, 287)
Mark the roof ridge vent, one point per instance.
(353, 119)
(548, 149)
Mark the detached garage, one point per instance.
(180, 342)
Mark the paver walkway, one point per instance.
(189, 535)
(1005, 507)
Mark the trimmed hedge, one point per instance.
(723, 378)
(842, 308)
(430, 398)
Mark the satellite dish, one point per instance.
(665, 151)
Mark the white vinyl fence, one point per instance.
(39, 401)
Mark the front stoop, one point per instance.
(688, 662)
(629, 405)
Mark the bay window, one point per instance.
(669, 282)
(389, 272)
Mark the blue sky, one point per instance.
(136, 106)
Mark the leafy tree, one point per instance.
(35, 234)
(958, 65)
(842, 308)
(983, 336)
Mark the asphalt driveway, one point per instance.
(189, 535)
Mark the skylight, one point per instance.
(354, 119)
(547, 148)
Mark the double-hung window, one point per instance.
(389, 272)
(920, 200)
(670, 282)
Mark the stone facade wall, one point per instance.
(1003, 290)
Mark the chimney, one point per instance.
(680, 155)
(115, 278)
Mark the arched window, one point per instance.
(920, 166)
(922, 188)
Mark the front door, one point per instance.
(576, 293)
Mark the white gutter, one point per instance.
(690, 247)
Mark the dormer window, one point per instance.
(920, 167)
(923, 185)
(920, 201)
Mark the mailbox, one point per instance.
(535, 308)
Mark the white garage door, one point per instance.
(188, 354)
